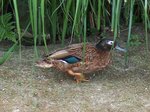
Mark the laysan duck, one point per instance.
(82, 58)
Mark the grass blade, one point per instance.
(129, 31)
(43, 23)
(99, 15)
(54, 20)
(18, 25)
(113, 14)
(146, 24)
(8, 54)
(33, 19)
(84, 10)
(65, 23)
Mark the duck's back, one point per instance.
(92, 58)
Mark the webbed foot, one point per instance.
(78, 76)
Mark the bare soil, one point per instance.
(118, 88)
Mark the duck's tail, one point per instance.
(44, 64)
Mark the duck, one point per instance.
(82, 58)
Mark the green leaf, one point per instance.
(7, 27)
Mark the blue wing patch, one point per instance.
(71, 59)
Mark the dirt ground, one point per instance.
(25, 88)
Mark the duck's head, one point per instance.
(107, 44)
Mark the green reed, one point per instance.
(146, 23)
(18, 25)
(42, 5)
(65, 21)
(33, 18)
(99, 14)
(129, 31)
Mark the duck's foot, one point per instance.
(78, 76)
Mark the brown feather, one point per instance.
(59, 54)
(94, 59)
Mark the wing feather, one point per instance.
(71, 50)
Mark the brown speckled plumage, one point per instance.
(94, 59)
(89, 58)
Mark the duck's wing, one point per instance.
(58, 54)
(73, 50)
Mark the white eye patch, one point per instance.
(110, 42)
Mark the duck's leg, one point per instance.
(79, 76)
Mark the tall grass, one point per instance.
(146, 22)
(42, 7)
(65, 22)
(130, 26)
(74, 18)
(54, 19)
(99, 14)
(2, 5)
(18, 25)
(84, 12)
(33, 8)
(116, 17)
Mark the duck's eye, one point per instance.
(110, 42)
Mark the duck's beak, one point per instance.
(120, 49)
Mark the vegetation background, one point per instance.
(41, 22)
